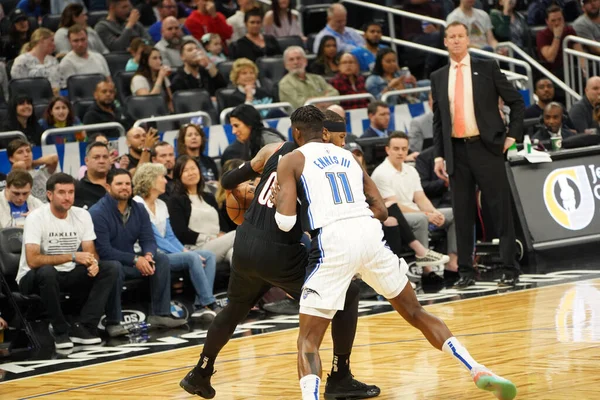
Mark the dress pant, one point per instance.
(474, 165)
(160, 289)
(92, 292)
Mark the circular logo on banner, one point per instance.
(568, 197)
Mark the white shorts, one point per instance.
(349, 247)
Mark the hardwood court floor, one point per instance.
(545, 340)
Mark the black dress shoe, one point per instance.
(464, 282)
(509, 280)
(450, 278)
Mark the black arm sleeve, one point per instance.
(234, 177)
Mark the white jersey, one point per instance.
(332, 182)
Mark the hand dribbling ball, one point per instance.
(238, 201)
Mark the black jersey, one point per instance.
(261, 213)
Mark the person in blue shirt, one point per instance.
(34, 8)
(366, 55)
(347, 38)
(149, 182)
(166, 8)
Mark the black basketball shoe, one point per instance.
(349, 388)
(194, 383)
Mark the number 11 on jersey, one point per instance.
(335, 190)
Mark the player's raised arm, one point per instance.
(374, 199)
(288, 172)
(250, 169)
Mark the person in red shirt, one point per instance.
(349, 81)
(206, 19)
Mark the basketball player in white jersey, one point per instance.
(339, 203)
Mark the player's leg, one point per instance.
(310, 337)
(440, 337)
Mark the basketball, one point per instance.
(238, 201)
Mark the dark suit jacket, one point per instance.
(435, 189)
(369, 133)
(489, 83)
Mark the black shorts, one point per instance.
(262, 260)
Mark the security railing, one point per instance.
(576, 73)
(333, 99)
(206, 119)
(285, 105)
(78, 128)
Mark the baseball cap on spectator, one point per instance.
(17, 15)
(354, 147)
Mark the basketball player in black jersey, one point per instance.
(263, 257)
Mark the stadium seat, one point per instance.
(81, 106)
(232, 50)
(39, 109)
(117, 60)
(51, 21)
(271, 67)
(314, 18)
(225, 69)
(95, 16)
(123, 85)
(140, 107)
(223, 98)
(287, 41)
(83, 86)
(38, 89)
(185, 101)
(3, 113)
(310, 42)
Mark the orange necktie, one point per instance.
(459, 104)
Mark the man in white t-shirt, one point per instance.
(478, 22)
(80, 60)
(50, 263)
(400, 183)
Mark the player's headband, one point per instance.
(334, 126)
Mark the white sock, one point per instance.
(309, 385)
(453, 347)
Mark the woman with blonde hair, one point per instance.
(36, 59)
(149, 182)
(244, 76)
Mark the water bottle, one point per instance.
(17, 219)
(512, 151)
(527, 144)
(136, 328)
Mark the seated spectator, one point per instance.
(148, 185)
(15, 200)
(197, 72)
(244, 76)
(206, 19)
(34, 8)
(37, 60)
(435, 188)
(163, 153)
(225, 7)
(388, 76)
(148, 11)
(553, 124)
(297, 86)
(19, 33)
(357, 152)
(80, 60)
(20, 157)
(119, 223)
(254, 44)
(549, 41)
(509, 25)
(166, 8)
(135, 49)
(347, 39)
(152, 77)
(327, 62)
(379, 115)
(544, 91)
(478, 23)
(349, 81)
(105, 109)
(192, 142)
(140, 145)
(282, 20)
(59, 114)
(536, 11)
(214, 48)
(221, 196)
(581, 113)
(171, 42)
(51, 262)
(115, 160)
(588, 24)
(21, 117)
(121, 26)
(237, 21)
(250, 133)
(71, 15)
(366, 55)
(194, 212)
(93, 186)
(421, 129)
(400, 183)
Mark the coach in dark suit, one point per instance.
(470, 136)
